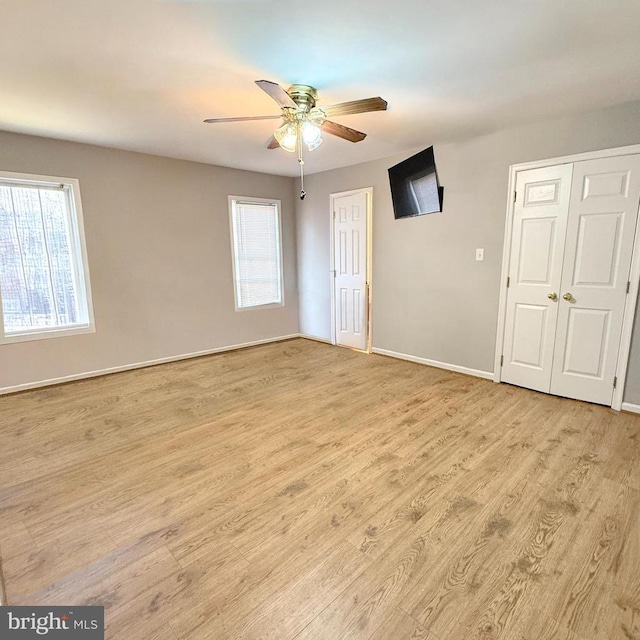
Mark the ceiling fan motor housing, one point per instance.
(303, 95)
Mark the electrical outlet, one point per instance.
(479, 254)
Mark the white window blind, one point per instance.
(256, 253)
(42, 279)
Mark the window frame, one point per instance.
(262, 201)
(71, 188)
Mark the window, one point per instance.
(257, 252)
(44, 280)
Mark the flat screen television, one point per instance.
(415, 189)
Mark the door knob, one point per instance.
(552, 296)
(567, 296)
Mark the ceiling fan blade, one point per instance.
(242, 119)
(277, 93)
(341, 131)
(273, 143)
(356, 106)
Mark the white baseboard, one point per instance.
(632, 408)
(487, 375)
(140, 365)
(315, 338)
(150, 363)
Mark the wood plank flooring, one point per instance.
(298, 490)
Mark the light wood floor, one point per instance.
(299, 490)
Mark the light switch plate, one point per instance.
(479, 254)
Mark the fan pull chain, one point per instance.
(303, 193)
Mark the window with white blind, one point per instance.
(44, 280)
(257, 252)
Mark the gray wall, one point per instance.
(159, 250)
(632, 386)
(431, 299)
(157, 233)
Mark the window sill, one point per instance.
(273, 305)
(42, 335)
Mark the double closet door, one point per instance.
(572, 241)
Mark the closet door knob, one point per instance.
(568, 297)
(552, 296)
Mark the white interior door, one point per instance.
(600, 233)
(535, 270)
(350, 269)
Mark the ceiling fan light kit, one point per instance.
(304, 122)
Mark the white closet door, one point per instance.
(597, 259)
(538, 239)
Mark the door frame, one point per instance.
(634, 276)
(332, 272)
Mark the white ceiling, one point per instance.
(143, 74)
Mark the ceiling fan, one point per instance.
(303, 120)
